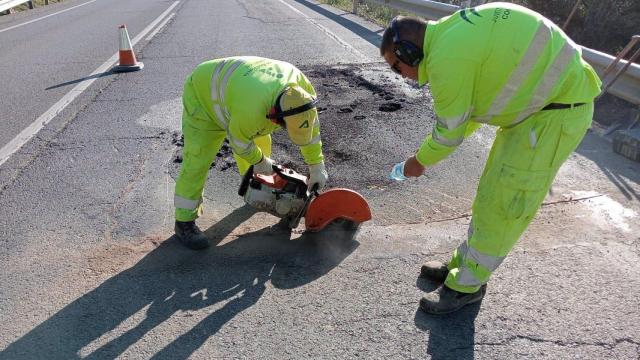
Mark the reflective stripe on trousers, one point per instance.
(183, 203)
(467, 277)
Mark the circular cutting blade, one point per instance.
(335, 204)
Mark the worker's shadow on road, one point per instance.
(451, 336)
(622, 172)
(170, 283)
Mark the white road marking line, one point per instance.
(46, 16)
(160, 26)
(329, 33)
(26, 134)
(154, 23)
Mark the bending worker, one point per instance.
(507, 66)
(243, 99)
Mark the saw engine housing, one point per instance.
(282, 195)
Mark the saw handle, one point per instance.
(246, 178)
(278, 170)
(244, 184)
(314, 189)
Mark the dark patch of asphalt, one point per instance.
(370, 120)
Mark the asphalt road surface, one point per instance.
(89, 267)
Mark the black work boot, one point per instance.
(435, 271)
(444, 300)
(190, 235)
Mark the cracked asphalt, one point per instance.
(90, 268)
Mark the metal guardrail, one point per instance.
(8, 4)
(627, 86)
(431, 10)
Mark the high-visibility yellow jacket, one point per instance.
(497, 64)
(238, 93)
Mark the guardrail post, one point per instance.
(573, 12)
(621, 54)
(30, 3)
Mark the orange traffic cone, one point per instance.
(128, 61)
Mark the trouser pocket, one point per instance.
(194, 113)
(522, 191)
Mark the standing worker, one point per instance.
(504, 65)
(243, 99)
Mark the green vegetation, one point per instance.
(381, 15)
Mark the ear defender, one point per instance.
(405, 51)
(276, 115)
(274, 112)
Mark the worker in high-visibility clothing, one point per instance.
(503, 65)
(243, 99)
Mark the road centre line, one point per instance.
(25, 135)
(46, 16)
(164, 22)
(329, 33)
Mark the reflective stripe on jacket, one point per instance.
(239, 92)
(497, 64)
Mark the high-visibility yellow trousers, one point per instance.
(203, 138)
(522, 164)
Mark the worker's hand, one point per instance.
(413, 168)
(317, 175)
(264, 167)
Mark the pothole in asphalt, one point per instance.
(390, 107)
(370, 119)
(357, 128)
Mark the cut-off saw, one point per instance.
(285, 195)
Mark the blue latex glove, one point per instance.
(397, 173)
